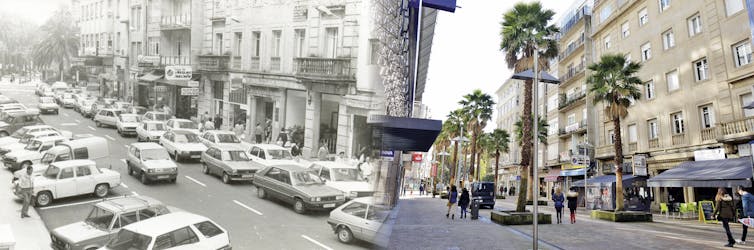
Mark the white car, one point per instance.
(16, 136)
(221, 138)
(344, 177)
(177, 230)
(72, 178)
(266, 155)
(150, 131)
(68, 101)
(155, 116)
(150, 162)
(106, 117)
(12, 106)
(30, 154)
(182, 144)
(26, 139)
(127, 124)
(359, 219)
(48, 105)
(182, 124)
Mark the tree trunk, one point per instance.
(497, 163)
(474, 137)
(61, 71)
(526, 146)
(478, 169)
(619, 165)
(453, 165)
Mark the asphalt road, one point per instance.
(252, 222)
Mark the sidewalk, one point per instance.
(29, 233)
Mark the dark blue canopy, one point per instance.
(627, 179)
(714, 173)
(407, 134)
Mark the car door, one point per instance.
(66, 184)
(213, 236)
(376, 215)
(215, 162)
(111, 119)
(286, 188)
(84, 180)
(272, 181)
(355, 217)
(167, 142)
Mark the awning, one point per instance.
(180, 83)
(553, 175)
(714, 173)
(406, 134)
(152, 76)
(529, 75)
(573, 172)
(627, 179)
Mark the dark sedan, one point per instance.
(298, 186)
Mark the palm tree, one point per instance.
(60, 43)
(442, 142)
(542, 131)
(613, 82)
(483, 145)
(452, 125)
(478, 106)
(524, 29)
(499, 139)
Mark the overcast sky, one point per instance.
(35, 11)
(466, 53)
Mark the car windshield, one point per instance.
(345, 174)
(128, 240)
(99, 218)
(129, 118)
(228, 138)
(160, 117)
(186, 138)
(154, 154)
(279, 154)
(19, 133)
(483, 187)
(235, 155)
(46, 100)
(187, 125)
(33, 145)
(25, 139)
(307, 177)
(155, 126)
(47, 158)
(52, 172)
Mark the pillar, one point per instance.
(344, 128)
(276, 113)
(283, 110)
(312, 122)
(251, 119)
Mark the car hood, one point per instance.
(191, 146)
(11, 147)
(47, 105)
(159, 164)
(7, 140)
(3, 124)
(240, 165)
(155, 132)
(78, 232)
(317, 190)
(23, 154)
(348, 186)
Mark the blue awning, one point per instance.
(407, 134)
(573, 172)
(627, 179)
(714, 173)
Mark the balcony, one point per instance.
(275, 64)
(571, 48)
(678, 139)
(175, 60)
(736, 130)
(323, 68)
(574, 18)
(236, 63)
(577, 128)
(632, 147)
(175, 22)
(604, 151)
(255, 63)
(567, 100)
(572, 73)
(213, 63)
(708, 134)
(654, 143)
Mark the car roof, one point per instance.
(220, 132)
(129, 114)
(91, 141)
(111, 109)
(332, 164)
(146, 145)
(152, 121)
(73, 163)
(268, 146)
(182, 131)
(228, 147)
(129, 203)
(162, 224)
(180, 120)
(50, 138)
(41, 132)
(25, 112)
(38, 126)
(290, 167)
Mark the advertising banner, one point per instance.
(178, 73)
(417, 157)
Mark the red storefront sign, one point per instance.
(417, 157)
(433, 173)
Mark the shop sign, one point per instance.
(189, 91)
(193, 84)
(569, 166)
(387, 154)
(406, 157)
(417, 157)
(178, 73)
(709, 154)
(640, 165)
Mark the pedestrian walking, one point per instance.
(573, 199)
(209, 125)
(295, 150)
(421, 189)
(502, 190)
(26, 184)
(452, 199)
(463, 202)
(557, 197)
(258, 130)
(218, 121)
(323, 152)
(747, 201)
(725, 212)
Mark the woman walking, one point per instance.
(558, 198)
(725, 211)
(573, 199)
(452, 198)
(463, 202)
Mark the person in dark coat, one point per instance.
(573, 199)
(558, 198)
(725, 210)
(463, 202)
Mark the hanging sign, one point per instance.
(193, 84)
(189, 91)
(178, 73)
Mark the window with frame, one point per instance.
(707, 115)
(632, 133)
(625, 30)
(695, 25)
(83, 171)
(299, 46)
(217, 89)
(649, 89)
(175, 238)
(646, 52)
(742, 53)
(672, 80)
(256, 38)
(606, 11)
(357, 209)
(733, 6)
(276, 35)
(208, 229)
(701, 69)
(66, 173)
(331, 42)
(664, 4)
(571, 119)
(677, 119)
(238, 38)
(652, 129)
(606, 41)
(643, 17)
(610, 137)
(81, 153)
(746, 100)
(553, 128)
(668, 39)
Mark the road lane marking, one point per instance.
(69, 124)
(247, 207)
(197, 182)
(71, 204)
(93, 129)
(316, 242)
(134, 193)
(124, 185)
(110, 137)
(77, 121)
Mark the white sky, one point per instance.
(35, 11)
(466, 53)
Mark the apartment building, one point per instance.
(697, 73)
(96, 19)
(508, 108)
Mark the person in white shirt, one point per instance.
(26, 184)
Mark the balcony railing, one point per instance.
(175, 60)
(213, 63)
(572, 47)
(574, 18)
(572, 72)
(255, 63)
(604, 151)
(737, 128)
(678, 139)
(632, 146)
(654, 143)
(175, 22)
(573, 128)
(709, 134)
(275, 63)
(339, 68)
(567, 100)
(236, 63)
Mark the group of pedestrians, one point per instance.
(725, 211)
(455, 201)
(559, 198)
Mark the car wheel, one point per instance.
(226, 178)
(44, 198)
(3, 134)
(101, 190)
(144, 179)
(345, 235)
(261, 193)
(298, 206)
(205, 169)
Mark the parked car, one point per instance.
(266, 155)
(16, 120)
(127, 124)
(67, 100)
(72, 178)
(359, 219)
(155, 116)
(150, 162)
(139, 110)
(48, 92)
(183, 124)
(213, 138)
(182, 144)
(107, 117)
(150, 131)
(197, 232)
(346, 178)
(26, 139)
(86, 108)
(12, 106)
(229, 162)
(6, 100)
(484, 193)
(31, 153)
(48, 105)
(122, 106)
(40, 88)
(297, 185)
(91, 148)
(104, 222)
(20, 133)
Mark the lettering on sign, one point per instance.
(178, 73)
(160, 89)
(189, 91)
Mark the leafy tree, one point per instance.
(60, 42)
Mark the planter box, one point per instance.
(500, 197)
(516, 218)
(541, 203)
(623, 216)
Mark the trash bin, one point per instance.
(474, 210)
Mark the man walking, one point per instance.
(26, 184)
(258, 130)
(747, 201)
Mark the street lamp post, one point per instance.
(442, 164)
(459, 140)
